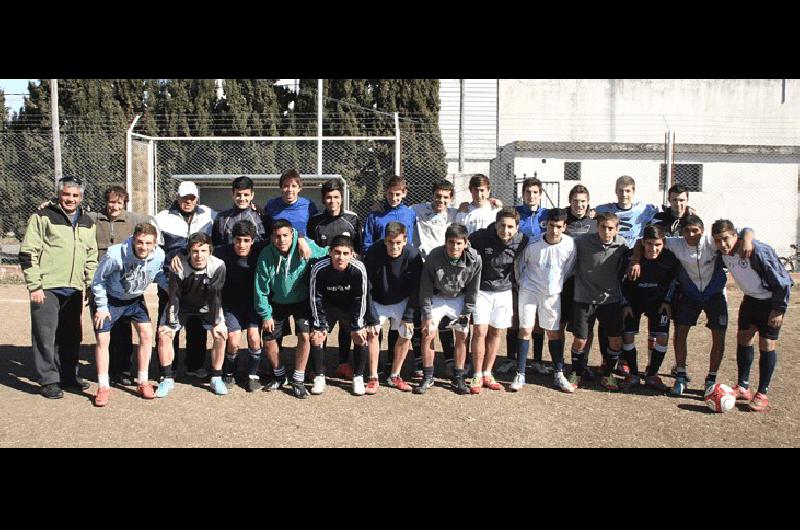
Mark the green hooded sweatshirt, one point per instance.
(282, 279)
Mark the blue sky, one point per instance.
(14, 86)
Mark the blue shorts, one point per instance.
(687, 310)
(135, 309)
(239, 319)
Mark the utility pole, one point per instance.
(461, 118)
(56, 131)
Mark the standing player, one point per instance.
(195, 291)
(243, 192)
(290, 205)
(322, 228)
(633, 216)
(480, 212)
(118, 287)
(339, 293)
(766, 286)
(393, 210)
(673, 217)
(448, 290)
(542, 269)
(498, 245)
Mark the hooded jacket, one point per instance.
(323, 227)
(123, 276)
(392, 280)
(497, 258)
(442, 279)
(116, 231)
(174, 229)
(375, 225)
(222, 231)
(672, 225)
(598, 269)
(282, 279)
(54, 253)
(532, 223)
(771, 273)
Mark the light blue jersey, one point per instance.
(631, 221)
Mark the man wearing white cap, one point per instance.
(183, 218)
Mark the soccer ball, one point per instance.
(720, 398)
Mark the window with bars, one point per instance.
(572, 170)
(690, 175)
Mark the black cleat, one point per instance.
(423, 386)
(75, 384)
(459, 385)
(52, 391)
(229, 380)
(253, 385)
(276, 383)
(299, 390)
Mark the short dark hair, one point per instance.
(395, 229)
(242, 183)
(722, 225)
(281, 223)
(578, 188)
(678, 189)
(692, 220)
(444, 185)
(606, 216)
(145, 228)
(198, 238)
(342, 241)
(119, 191)
(479, 180)
(531, 181)
(396, 182)
(331, 185)
(457, 231)
(507, 211)
(556, 215)
(653, 232)
(244, 228)
(290, 174)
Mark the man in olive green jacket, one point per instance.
(59, 257)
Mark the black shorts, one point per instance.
(755, 312)
(568, 302)
(608, 315)
(333, 315)
(657, 323)
(301, 312)
(687, 310)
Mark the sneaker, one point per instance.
(218, 386)
(276, 383)
(319, 385)
(760, 403)
(164, 387)
(674, 373)
(200, 373)
(491, 383)
(123, 379)
(680, 385)
(575, 380)
(742, 393)
(145, 390)
(518, 383)
(460, 386)
(507, 366)
(540, 368)
(398, 383)
(564, 385)
(358, 386)
(631, 381)
(101, 398)
(299, 390)
(52, 391)
(75, 384)
(229, 380)
(253, 384)
(655, 383)
(424, 386)
(475, 385)
(589, 374)
(344, 371)
(372, 386)
(708, 384)
(609, 382)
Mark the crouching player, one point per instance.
(118, 287)
(766, 286)
(650, 294)
(542, 270)
(448, 290)
(194, 291)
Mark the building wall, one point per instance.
(480, 126)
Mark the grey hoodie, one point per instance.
(598, 269)
(441, 279)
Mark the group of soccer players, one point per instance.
(430, 269)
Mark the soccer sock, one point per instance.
(216, 373)
(767, 362)
(298, 376)
(711, 377)
(577, 362)
(427, 372)
(229, 364)
(630, 356)
(143, 377)
(280, 371)
(359, 360)
(102, 381)
(611, 361)
(166, 371)
(657, 357)
(744, 360)
(459, 372)
(416, 346)
(254, 361)
(556, 348)
(538, 347)
(522, 354)
(512, 344)
(318, 359)
(344, 346)
(602, 341)
(447, 339)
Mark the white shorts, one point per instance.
(494, 308)
(547, 306)
(450, 308)
(394, 314)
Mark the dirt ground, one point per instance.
(539, 416)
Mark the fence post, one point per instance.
(397, 164)
(319, 126)
(129, 160)
(57, 171)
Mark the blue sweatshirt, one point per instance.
(298, 213)
(375, 226)
(531, 223)
(123, 276)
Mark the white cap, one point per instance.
(188, 188)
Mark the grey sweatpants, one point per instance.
(56, 336)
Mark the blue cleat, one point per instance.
(218, 386)
(164, 387)
(680, 386)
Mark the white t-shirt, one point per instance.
(697, 261)
(746, 278)
(477, 217)
(431, 227)
(544, 267)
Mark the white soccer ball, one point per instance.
(720, 398)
